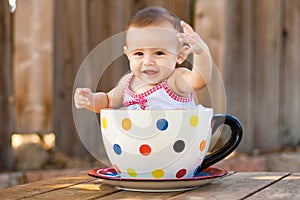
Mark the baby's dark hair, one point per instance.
(154, 16)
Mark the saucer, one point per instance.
(111, 177)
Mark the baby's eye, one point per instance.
(159, 53)
(138, 53)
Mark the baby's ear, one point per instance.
(183, 54)
(125, 50)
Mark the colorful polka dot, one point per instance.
(145, 150)
(202, 145)
(131, 172)
(126, 124)
(117, 169)
(104, 123)
(179, 146)
(158, 173)
(162, 124)
(180, 173)
(117, 149)
(194, 121)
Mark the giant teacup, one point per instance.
(164, 143)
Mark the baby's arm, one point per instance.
(202, 66)
(85, 98)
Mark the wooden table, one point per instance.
(241, 185)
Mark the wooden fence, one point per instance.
(6, 116)
(255, 45)
(262, 68)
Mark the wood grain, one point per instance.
(290, 90)
(233, 187)
(44, 186)
(287, 188)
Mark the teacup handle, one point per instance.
(233, 142)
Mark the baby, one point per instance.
(156, 40)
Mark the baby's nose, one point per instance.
(148, 60)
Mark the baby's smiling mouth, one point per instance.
(150, 72)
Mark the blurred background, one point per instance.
(255, 45)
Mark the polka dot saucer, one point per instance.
(110, 176)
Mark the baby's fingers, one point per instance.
(81, 102)
(83, 91)
(185, 38)
(81, 97)
(81, 105)
(186, 27)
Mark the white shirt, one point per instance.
(159, 97)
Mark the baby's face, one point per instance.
(153, 52)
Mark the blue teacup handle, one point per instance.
(230, 146)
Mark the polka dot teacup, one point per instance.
(157, 143)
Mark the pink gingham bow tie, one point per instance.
(138, 100)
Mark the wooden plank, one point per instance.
(6, 87)
(180, 8)
(287, 188)
(108, 18)
(44, 186)
(97, 190)
(140, 195)
(209, 23)
(238, 67)
(267, 58)
(33, 66)
(236, 186)
(86, 190)
(290, 93)
(70, 48)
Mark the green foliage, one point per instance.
(192, 12)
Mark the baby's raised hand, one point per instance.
(190, 37)
(83, 97)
